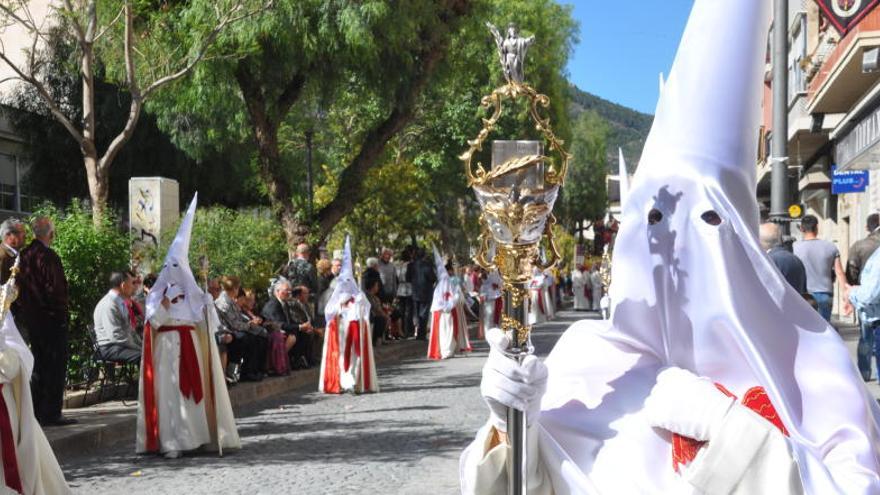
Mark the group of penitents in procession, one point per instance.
(711, 376)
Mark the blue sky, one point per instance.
(624, 46)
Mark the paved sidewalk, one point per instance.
(405, 440)
(112, 423)
(850, 335)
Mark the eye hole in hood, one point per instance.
(711, 217)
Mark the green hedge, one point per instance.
(249, 244)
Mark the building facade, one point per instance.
(833, 116)
(15, 197)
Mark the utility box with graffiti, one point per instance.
(153, 210)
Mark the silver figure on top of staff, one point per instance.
(512, 50)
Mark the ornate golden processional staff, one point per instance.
(516, 197)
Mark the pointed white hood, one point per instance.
(624, 177)
(176, 277)
(691, 286)
(346, 289)
(445, 295)
(492, 285)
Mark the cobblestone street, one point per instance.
(404, 440)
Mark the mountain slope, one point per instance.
(629, 128)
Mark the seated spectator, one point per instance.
(214, 287)
(225, 339)
(371, 275)
(301, 311)
(280, 344)
(378, 317)
(278, 311)
(250, 339)
(135, 304)
(116, 337)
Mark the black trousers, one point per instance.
(405, 307)
(422, 314)
(251, 350)
(303, 348)
(120, 353)
(380, 326)
(49, 346)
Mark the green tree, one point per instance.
(585, 195)
(117, 34)
(353, 71)
(450, 113)
(54, 170)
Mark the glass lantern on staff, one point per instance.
(516, 196)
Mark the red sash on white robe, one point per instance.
(7, 444)
(190, 378)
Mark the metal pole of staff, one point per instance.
(516, 419)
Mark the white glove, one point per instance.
(507, 384)
(10, 365)
(207, 298)
(684, 403)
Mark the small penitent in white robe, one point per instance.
(28, 463)
(537, 303)
(550, 295)
(596, 286)
(183, 403)
(491, 303)
(691, 288)
(448, 333)
(348, 363)
(580, 286)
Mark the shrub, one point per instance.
(249, 244)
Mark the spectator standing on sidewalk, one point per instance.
(404, 293)
(300, 271)
(421, 275)
(12, 233)
(789, 265)
(822, 262)
(388, 275)
(865, 297)
(859, 253)
(42, 308)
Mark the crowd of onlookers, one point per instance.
(285, 330)
(259, 333)
(812, 266)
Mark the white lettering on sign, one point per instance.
(865, 135)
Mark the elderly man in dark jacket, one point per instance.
(278, 310)
(42, 309)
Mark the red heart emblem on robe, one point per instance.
(685, 449)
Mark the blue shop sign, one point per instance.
(849, 181)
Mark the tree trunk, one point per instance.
(99, 187)
(264, 125)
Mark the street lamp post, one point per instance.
(309, 180)
(779, 194)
